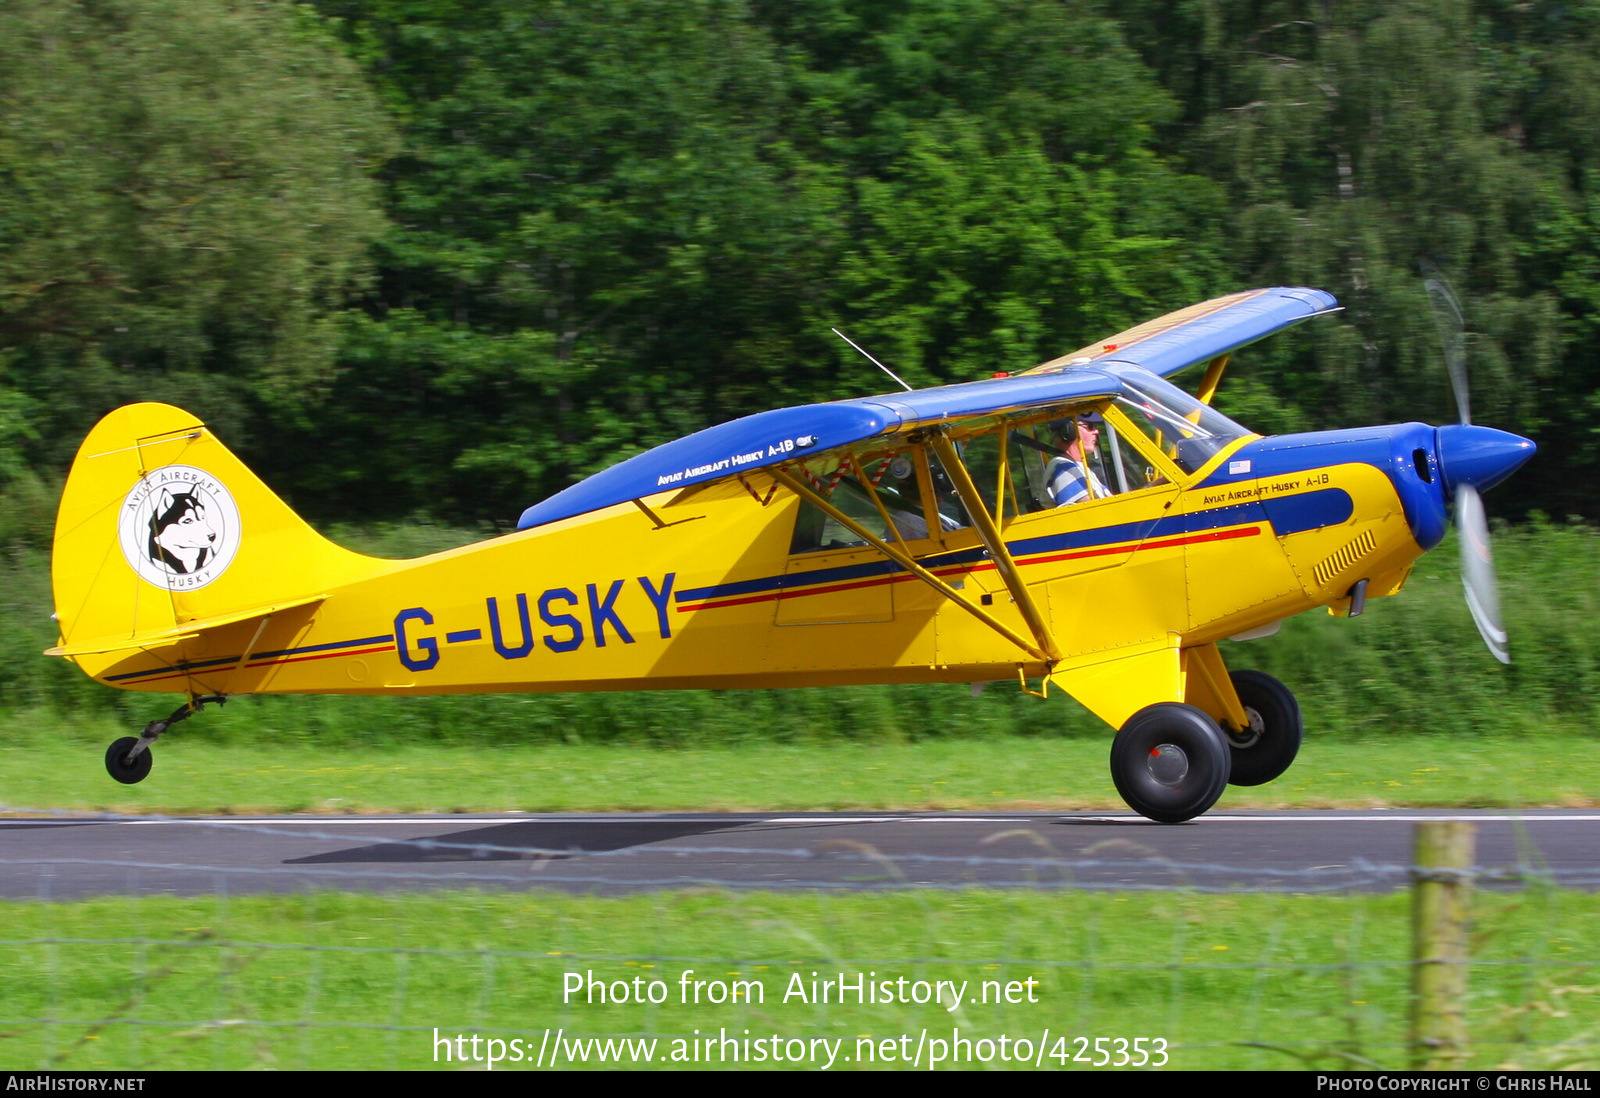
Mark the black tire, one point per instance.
(1268, 747)
(1170, 762)
(125, 772)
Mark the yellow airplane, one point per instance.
(1085, 524)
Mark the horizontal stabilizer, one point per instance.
(162, 638)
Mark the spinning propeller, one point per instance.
(1471, 461)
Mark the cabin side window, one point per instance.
(1017, 464)
(1079, 455)
(890, 477)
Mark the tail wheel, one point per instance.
(1269, 745)
(120, 768)
(1170, 762)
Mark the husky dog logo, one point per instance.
(179, 528)
(180, 536)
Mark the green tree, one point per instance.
(618, 221)
(1007, 204)
(1359, 140)
(602, 240)
(186, 200)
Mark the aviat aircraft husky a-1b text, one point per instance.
(921, 536)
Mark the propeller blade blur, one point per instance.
(1447, 317)
(1477, 571)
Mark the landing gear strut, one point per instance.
(128, 760)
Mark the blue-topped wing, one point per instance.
(1163, 346)
(738, 446)
(1200, 332)
(790, 434)
(950, 404)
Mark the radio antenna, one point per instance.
(872, 360)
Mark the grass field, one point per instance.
(338, 981)
(65, 772)
(346, 981)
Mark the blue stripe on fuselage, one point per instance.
(1287, 515)
(1282, 455)
(1403, 452)
(196, 665)
(841, 574)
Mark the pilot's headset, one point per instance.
(1065, 430)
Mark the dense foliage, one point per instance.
(186, 202)
(433, 256)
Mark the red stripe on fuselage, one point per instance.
(1077, 554)
(229, 668)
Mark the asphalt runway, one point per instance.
(63, 858)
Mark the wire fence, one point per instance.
(142, 944)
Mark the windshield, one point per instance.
(1187, 430)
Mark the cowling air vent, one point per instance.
(1344, 558)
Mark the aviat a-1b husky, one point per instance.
(921, 536)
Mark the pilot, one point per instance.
(1068, 478)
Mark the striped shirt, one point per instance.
(1064, 480)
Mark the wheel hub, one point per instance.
(1251, 734)
(1168, 764)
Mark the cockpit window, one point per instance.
(1033, 459)
(1187, 430)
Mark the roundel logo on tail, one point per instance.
(179, 528)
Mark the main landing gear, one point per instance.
(1171, 761)
(1264, 750)
(128, 760)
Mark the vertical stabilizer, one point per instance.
(162, 532)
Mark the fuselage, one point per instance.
(1085, 526)
(702, 587)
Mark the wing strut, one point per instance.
(1213, 378)
(995, 543)
(784, 477)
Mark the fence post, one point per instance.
(1441, 891)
